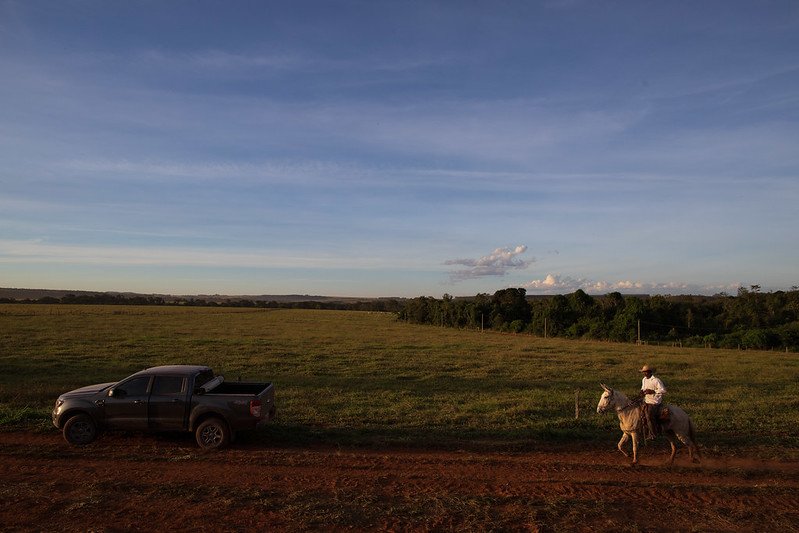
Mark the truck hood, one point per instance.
(88, 390)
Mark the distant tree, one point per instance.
(624, 326)
(509, 305)
(559, 315)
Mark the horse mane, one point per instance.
(620, 397)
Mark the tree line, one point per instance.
(751, 319)
(375, 305)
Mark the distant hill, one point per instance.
(38, 294)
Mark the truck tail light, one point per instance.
(255, 408)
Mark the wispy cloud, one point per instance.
(497, 263)
(274, 171)
(254, 64)
(518, 131)
(40, 251)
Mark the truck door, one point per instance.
(168, 405)
(126, 405)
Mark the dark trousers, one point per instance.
(652, 415)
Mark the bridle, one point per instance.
(631, 403)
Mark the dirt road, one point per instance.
(142, 482)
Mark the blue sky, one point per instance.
(370, 148)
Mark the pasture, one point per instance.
(384, 425)
(367, 379)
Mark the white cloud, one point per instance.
(496, 263)
(556, 284)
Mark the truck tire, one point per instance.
(80, 430)
(212, 434)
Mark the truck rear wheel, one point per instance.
(80, 430)
(212, 434)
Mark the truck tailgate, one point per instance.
(249, 404)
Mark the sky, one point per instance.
(399, 148)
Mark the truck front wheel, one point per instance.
(80, 430)
(212, 434)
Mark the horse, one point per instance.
(631, 424)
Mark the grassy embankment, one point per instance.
(350, 378)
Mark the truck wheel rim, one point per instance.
(211, 436)
(81, 432)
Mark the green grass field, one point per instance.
(366, 379)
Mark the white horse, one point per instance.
(631, 424)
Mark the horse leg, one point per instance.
(692, 436)
(696, 456)
(673, 447)
(624, 437)
(692, 449)
(635, 447)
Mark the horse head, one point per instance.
(607, 400)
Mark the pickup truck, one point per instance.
(167, 398)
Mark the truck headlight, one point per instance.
(58, 403)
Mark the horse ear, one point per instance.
(603, 386)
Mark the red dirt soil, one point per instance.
(143, 482)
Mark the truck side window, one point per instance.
(168, 385)
(135, 386)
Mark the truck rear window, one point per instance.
(203, 378)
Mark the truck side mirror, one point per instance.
(116, 393)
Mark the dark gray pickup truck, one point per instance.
(167, 398)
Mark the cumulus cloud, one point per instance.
(556, 284)
(497, 263)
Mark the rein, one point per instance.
(632, 403)
(635, 402)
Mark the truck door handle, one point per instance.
(136, 401)
(100, 402)
(176, 400)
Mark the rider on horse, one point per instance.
(652, 390)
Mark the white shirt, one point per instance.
(656, 385)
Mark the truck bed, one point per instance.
(238, 387)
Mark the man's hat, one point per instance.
(647, 368)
